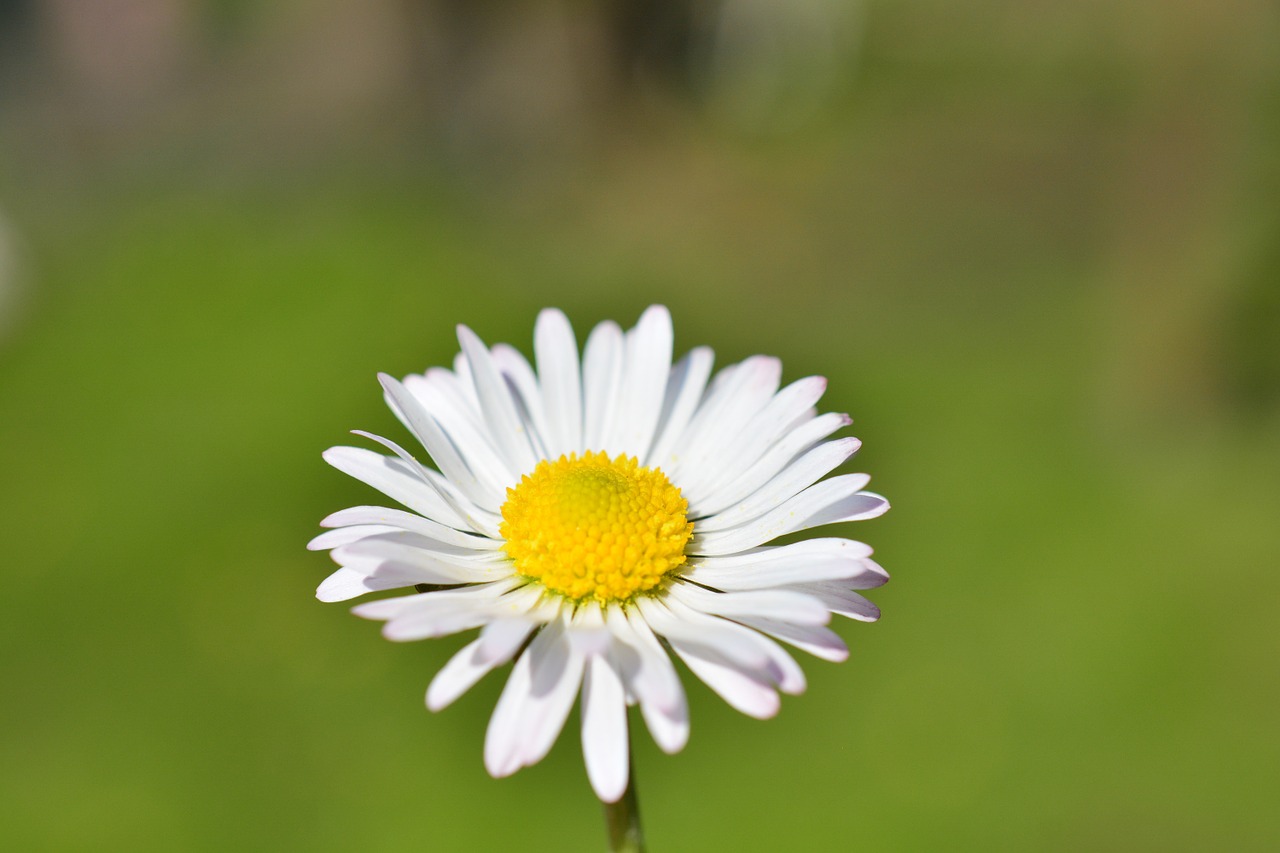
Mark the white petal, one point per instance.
(438, 389)
(752, 696)
(684, 392)
(438, 395)
(795, 478)
(782, 605)
(506, 725)
(402, 555)
(730, 403)
(871, 576)
(718, 637)
(346, 535)
(379, 574)
(774, 460)
(604, 730)
(462, 369)
(505, 428)
(472, 516)
(828, 502)
(459, 675)
(841, 599)
(587, 631)
(523, 384)
(647, 367)
(534, 704)
(649, 675)
(345, 584)
(502, 638)
(856, 507)
(369, 547)
(815, 639)
(413, 523)
(498, 642)
(425, 623)
(485, 493)
(602, 385)
(560, 378)
(434, 614)
(765, 428)
(482, 521)
(395, 479)
(806, 548)
(799, 562)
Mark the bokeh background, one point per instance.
(1034, 245)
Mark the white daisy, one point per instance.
(592, 517)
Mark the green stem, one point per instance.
(622, 819)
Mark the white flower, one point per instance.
(591, 518)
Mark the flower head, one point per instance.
(592, 515)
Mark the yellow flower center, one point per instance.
(588, 527)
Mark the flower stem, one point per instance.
(622, 820)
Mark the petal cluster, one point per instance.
(748, 456)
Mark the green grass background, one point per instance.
(1039, 271)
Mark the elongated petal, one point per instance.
(762, 430)
(774, 460)
(729, 404)
(718, 637)
(463, 671)
(395, 479)
(379, 574)
(779, 668)
(408, 521)
(389, 545)
(648, 366)
(502, 638)
(487, 493)
(498, 642)
(871, 576)
(522, 382)
(820, 548)
(649, 675)
(438, 389)
(560, 378)
(795, 478)
(799, 562)
(817, 640)
(346, 535)
(840, 598)
(753, 696)
(434, 614)
(604, 730)
(345, 583)
(784, 605)
(602, 384)
(387, 555)
(534, 704)
(505, 428)
(828, 502)
(684, 391)
(464, 426)
(424, 623)
(472, 515)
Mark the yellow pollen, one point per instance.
(588, 527)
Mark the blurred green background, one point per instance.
(1035, 246)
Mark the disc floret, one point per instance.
(590, 527)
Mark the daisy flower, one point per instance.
(593, 516)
